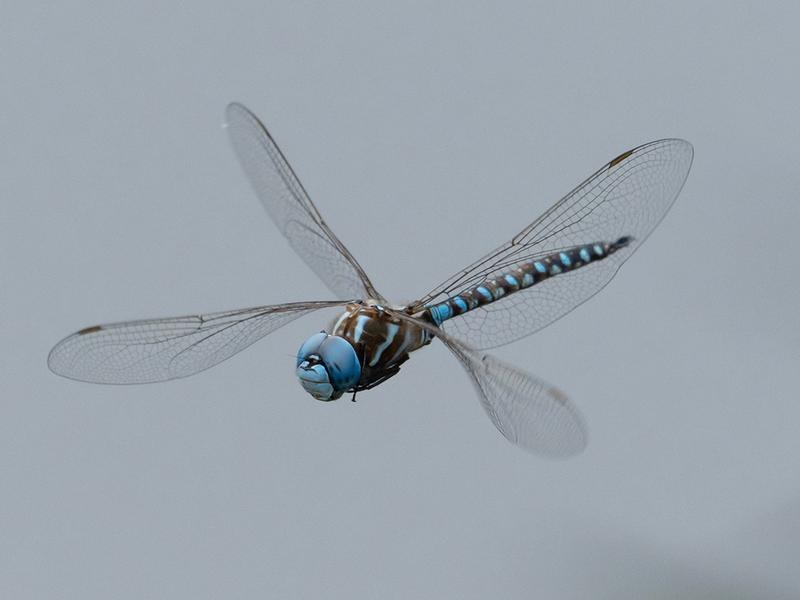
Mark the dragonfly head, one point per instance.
(327, 366)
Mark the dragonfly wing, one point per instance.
(628, 196)
(528, 411)
(292, 210)
(160, 349)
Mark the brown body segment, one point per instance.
(382, 342)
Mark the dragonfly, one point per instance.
(550, 267)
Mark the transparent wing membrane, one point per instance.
(628, 196)
(160, 349)
(290, 207)
(529, 412)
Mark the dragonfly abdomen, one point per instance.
(524, 276)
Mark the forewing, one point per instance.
(628, 196)
(528, 411)
(160, 349)
(290, 207)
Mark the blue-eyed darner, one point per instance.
(554, 264)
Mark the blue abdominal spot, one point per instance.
(460, 303)
(443, 312)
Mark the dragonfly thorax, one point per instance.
(366, 346)
(327, 366)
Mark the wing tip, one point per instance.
(237, 111)
(563, 449)
(687, 145)
(235, 106)
(91, 329)
(55, 357)
(614, 162)
(53, 361)
(567, 446)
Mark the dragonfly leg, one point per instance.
(363, 361)
(387, 374)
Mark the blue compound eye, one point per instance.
(310, 346)
(341, 362)
(314, 379)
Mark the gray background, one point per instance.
(416, 127)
